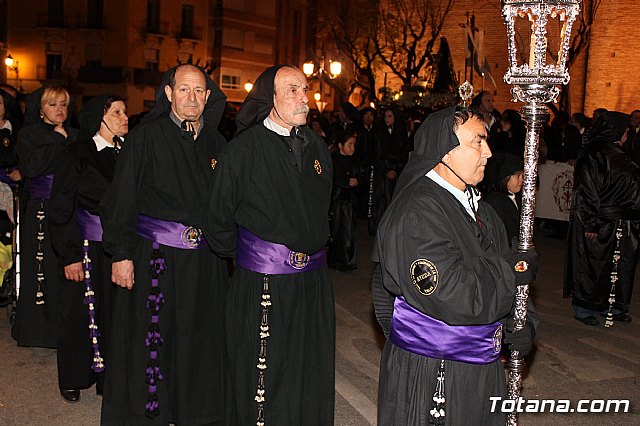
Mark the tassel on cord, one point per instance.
(262, 357)
(40, 300)
(154, 340)
(437, 413)
(90, 300)
(614, 276)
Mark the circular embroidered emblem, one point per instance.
(213, 163)
(521, 266)
(317, 167)
(6, 142)
(298, 260)
(424, 275)
(191, 236)
(497, 339)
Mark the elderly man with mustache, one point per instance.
(269, 209)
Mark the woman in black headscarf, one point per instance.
(40, 146)
(85, 172)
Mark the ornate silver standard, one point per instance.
(535, 83)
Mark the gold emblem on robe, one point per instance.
(213, 163)
(317, 167)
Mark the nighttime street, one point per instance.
(572, 361)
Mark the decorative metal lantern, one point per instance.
(534, 82)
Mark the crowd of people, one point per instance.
(187, 276)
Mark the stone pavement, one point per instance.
(572, 361)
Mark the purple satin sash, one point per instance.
(40, 187)
(416, 332)
(170, 234)
(269, 258)
(90, 225)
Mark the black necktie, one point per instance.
(116, 144)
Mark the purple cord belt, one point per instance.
(170, 234)
(416, 332)
(257, 255)
(40, 187)
(90, 225)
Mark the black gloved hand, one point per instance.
(521, 340)
(525, 266)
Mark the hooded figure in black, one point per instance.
(270, 196)
(40, 146)
(503, 180)
(606, 199)
(80, 182)
(166, 348)
(444, 259)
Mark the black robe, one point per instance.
(606, 190)
(342, 214)
(80, 182)
(508, 212)
(164, 174)
(259, 186)
(390, 155)
(39, 150)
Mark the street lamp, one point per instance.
(309, 69)
(248, 86)
(535, 83)
(12, 65)
(319, 103)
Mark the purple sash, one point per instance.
(265, 257)
(416, 332)
(90, 225)
(40, 187)
(170, 234)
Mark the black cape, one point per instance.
(39, 150)
(163, 173)
(606, 193)
(80, 183)
(475, 286)
(258, 185)
(342, 253)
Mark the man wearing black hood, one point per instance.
(449, 279)
(604, 231)
(269, 209)
(166, 348)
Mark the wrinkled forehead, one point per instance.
(288, 77)
(190, 75)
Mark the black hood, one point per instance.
(91, 116)
(259, 102)
(32, 114)
(213, 110)
(433, 140)
(501, 165)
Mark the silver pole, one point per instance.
(535, 115)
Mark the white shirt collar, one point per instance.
(271, 125)
(101, 143)
(7, 125)
(462, 196)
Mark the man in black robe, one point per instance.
(605, 224)
(166, 348)
(449, 280)
(269, 209)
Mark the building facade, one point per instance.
(123, 47)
